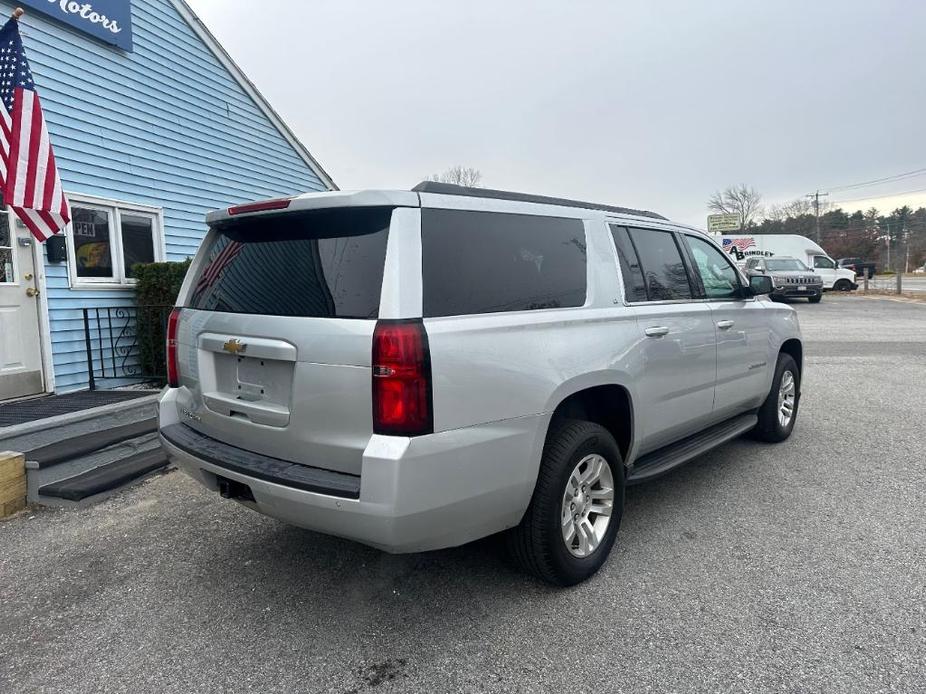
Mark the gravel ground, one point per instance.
(792, 568)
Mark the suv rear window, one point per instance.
(489, 262)
(323, 263)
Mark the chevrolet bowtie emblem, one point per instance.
(234, 346)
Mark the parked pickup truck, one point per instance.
(861, 267)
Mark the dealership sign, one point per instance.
(108, 20)
(719, 223)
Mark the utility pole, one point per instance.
(888, 240)
(816, 209)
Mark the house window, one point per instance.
(108, 239)
(137, 240)
(7, 251)
(93, 248)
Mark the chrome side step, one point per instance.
(661, 461)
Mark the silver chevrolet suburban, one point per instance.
(418, 369)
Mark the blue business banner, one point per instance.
(107, 20)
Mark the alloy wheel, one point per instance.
(587, 505)
(787, 396)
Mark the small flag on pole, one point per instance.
(29, 180)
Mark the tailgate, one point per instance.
(275, 337)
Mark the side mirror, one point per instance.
(760, 284)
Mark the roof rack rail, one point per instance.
(451, 189)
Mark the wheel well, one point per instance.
(609, 406)
(796, 350)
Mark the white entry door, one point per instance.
(20, 347)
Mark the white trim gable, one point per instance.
(250, 89)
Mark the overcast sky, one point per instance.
(645, 104)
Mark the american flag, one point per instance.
(740, 244)
(29, 180)
(218, 263)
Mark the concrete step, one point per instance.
(62, 451)
(81, 457)
(92, 476)
(40, 433)
(98, 482)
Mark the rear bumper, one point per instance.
(415, 494)
(254, 465)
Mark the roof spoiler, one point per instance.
(451, 189)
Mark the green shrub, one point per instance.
(155, 294)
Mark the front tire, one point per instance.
(815, 299)
(843, 286)
(570, 525)
(779, 411)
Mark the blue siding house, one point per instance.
(147, 141)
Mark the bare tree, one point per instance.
(796, 208)
(459, 175)
(801, 206)
(742, 200)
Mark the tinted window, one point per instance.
(486, 262)
(326, 263)
(719, 278)
(785, 264)
(823, 262)
(634, 285)
(663, 270)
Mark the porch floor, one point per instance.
(23, 411)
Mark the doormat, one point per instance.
(23, 411)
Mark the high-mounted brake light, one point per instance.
(401, 379)
(173, 371)
(263, 206)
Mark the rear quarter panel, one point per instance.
(501, 366)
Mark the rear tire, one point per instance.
(539, 544)
(784, 397)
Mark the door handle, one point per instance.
(725, 324)
(32, 292)
(656, 331)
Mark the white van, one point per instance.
(742, 247)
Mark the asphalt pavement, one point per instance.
(798, 567)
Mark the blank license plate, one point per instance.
(802, 288)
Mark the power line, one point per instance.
(883, 195)
(875, 181)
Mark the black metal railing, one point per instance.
(125, 344)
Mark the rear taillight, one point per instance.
(401, 379)
(173, 372)
(263, 206)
